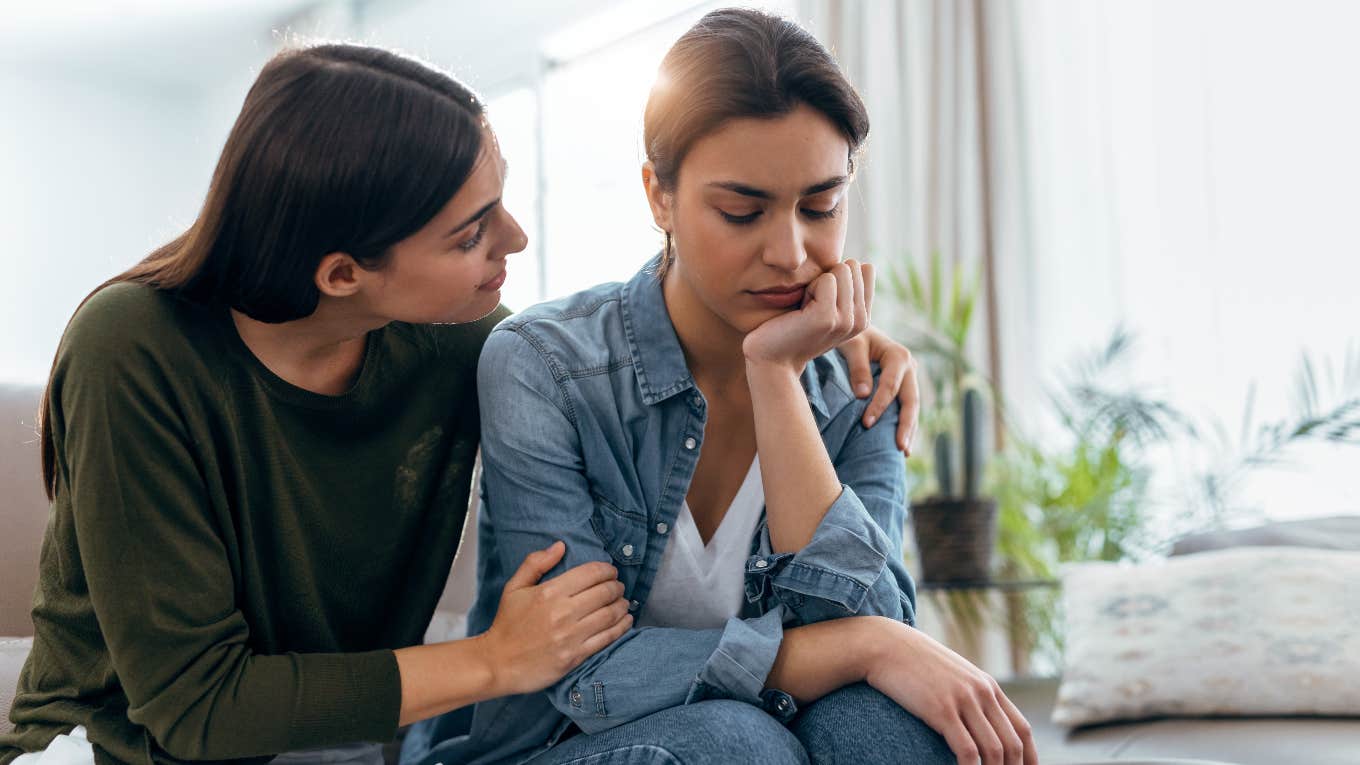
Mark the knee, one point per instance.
(732, 731)
(859, 724)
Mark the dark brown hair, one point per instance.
(338, 148)
(736, 63)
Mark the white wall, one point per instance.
(96, 173)
(1195, 167)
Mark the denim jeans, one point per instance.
(855, 725)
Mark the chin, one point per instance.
(481, 306)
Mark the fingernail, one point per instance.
(862, 389)
(871, 420)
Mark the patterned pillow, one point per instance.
(1244, 631)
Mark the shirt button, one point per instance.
(633, 606)
(762, 563)
(690, 442)
(627, 551)
(662, 528)
(575, 699)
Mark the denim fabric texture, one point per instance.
(855, 725)
(591, 430)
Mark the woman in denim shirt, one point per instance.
(628, 414)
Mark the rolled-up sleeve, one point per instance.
(853, 564)
(536, 491)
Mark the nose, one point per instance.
(515, 240)
(785, 248)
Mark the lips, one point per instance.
(495, 283)
(779, 297)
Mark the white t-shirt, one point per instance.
(701, 586)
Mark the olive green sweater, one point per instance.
(230, 559)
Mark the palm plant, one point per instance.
(942, 309)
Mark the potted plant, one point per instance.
(954, 525)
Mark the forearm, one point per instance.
(799, 480)
(441, 677)
(816, 659)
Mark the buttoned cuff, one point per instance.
(738, 667)
(846, 555)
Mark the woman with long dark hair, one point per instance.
(258, 443)
(694, 428)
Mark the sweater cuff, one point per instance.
(346, 697)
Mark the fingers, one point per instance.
(892, 369)
(588, 625)
(960, 742)
(984, 736)
(868, 276)
(597, 597)
(582, 578)
(909, 399)
(845, 297)
(535, 565)
(859, 312)
(823, 291)
(1021, 726)
(1011, 743)
(602, 640)
(856, 353)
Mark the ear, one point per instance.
(659, 199)
(338, 275)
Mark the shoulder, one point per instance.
(579, 333)
(127, 323)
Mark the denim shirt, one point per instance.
(591, 430)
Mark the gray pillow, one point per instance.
(1341, 532)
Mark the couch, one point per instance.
(1255, 741)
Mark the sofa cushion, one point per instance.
(1340, 532)
(23, 507)
(1243, 741)
(1245, 631)
(13, 652)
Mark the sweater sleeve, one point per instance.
(158, 566)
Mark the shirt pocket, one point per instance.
(623, 532)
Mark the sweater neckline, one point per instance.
(293, 394)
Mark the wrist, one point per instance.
(761, 368)
(486, 668)
(874, 639)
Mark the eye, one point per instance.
(739, 220)
(475, 239)
(822, 214)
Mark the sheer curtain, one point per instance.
(1183, 168)
(945, 166)
(1198, 167)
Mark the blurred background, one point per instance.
(1124, 225)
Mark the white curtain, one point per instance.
(945, 168)
(1183, 167)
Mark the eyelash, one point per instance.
(742, 220)
(471, 244)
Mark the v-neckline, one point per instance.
(699, 551)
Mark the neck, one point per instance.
(712, 347)
(322, 353)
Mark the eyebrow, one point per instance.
(488, 207)
(750, 191)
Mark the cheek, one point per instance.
(719, 253)
(826, 244)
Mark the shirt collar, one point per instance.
(657, 357)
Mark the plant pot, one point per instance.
(955, 538)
